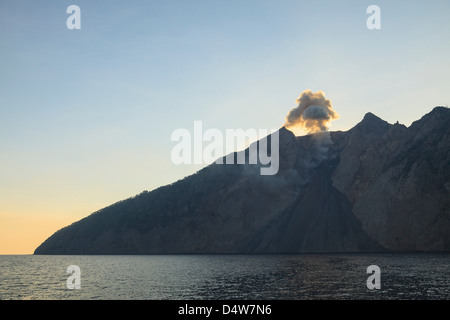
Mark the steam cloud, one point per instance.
(313, 112)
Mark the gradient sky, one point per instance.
(86, 115)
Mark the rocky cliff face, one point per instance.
(397, 180)
(376, 187)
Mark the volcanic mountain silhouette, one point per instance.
(375, 187)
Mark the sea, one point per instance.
(226, 277)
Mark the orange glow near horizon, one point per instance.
(22, 233)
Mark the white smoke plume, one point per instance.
(313, 112)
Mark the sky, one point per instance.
(86, 115)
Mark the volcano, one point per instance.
(374, 188)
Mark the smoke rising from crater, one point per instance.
(313, 112)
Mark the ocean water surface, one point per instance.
(223, 277)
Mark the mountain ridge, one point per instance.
(376, 187)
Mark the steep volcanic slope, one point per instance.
(215, 210)
(319, 220)
(375, 187)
